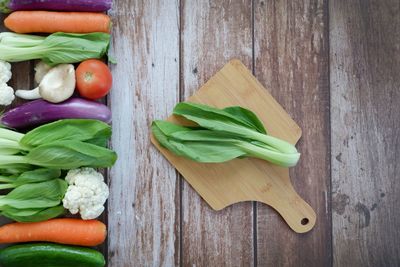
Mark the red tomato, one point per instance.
(93, 79)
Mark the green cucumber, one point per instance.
(50, 255)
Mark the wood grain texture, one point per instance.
(291, 59)
(213, 32)
(365, 114)
(144, 201)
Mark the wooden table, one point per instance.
(334, 66)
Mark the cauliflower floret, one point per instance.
(6, 94)
(86, 193)
(5, 72)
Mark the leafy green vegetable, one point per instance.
(36, 197)
(234, 115)
(210, 118)
(62, 145)
(248, 116)
(35, 176)
(10, 135)
(54, 49)
(70, 155)
(222, 135)
(168, 135)
(65, 144)
(8, 144)
(14, 169)
(4, 6)
(210, 146)
(33, 215)
(65, 130)
(20, 40)
(8, 151)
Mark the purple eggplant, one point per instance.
(40, 112)
(7, 6)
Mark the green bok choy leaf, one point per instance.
(65, 144)
(222, 135)
(54, 49)
(34, 176)
(37, 195)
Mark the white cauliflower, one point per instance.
(86, 193)
(5, 72)
(6, 94)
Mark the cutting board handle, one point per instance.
(297, 213)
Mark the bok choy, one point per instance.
(64, 144)
(222, 135)
(34, 176)
(54, 49)
(36, 195)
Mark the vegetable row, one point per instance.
(70, 239)
(33, 164)
(50, 171)
(52, 146)
(92, 80)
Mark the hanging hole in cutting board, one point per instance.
(305, 221)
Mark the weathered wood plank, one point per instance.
(143, 216)
(365, 115)
(212, 33)
(291, 60)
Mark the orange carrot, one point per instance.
(64, 230)
(51, 22)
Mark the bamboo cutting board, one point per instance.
(223, 184)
